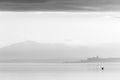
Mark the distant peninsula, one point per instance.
(97, 59)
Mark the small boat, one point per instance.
(102, 68)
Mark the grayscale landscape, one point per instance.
(59, 46)
(31, 60)
(59, 39)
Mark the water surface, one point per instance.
(59, 71)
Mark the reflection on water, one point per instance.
(59, 71)
(58, 67)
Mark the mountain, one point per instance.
(59, 5)
(33, 51)
(30, 51)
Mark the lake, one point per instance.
(59, 71)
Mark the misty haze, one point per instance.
(30, 51)
(59, 39)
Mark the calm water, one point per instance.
(59, 67)
(59, 71)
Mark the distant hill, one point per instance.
(30, 51)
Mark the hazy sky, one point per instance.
(84, 28)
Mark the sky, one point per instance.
(59, 5)
(76, 28)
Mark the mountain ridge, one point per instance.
(33, 50)
(30, 51)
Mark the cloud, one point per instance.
(91, 8)
(50, 5)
